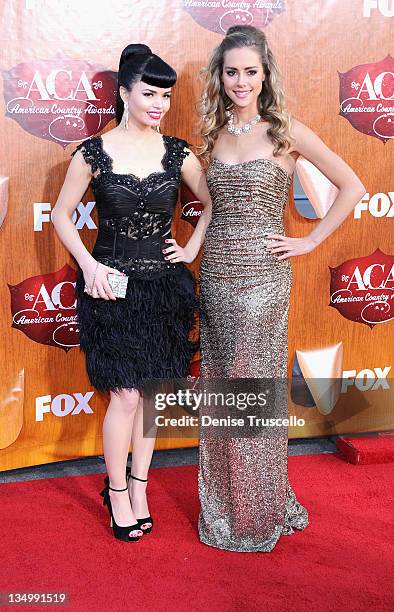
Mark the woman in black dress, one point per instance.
(135, 174)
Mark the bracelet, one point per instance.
(94, 276)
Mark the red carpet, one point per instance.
(55, 537)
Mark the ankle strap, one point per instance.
(140, 479)
(126, 489)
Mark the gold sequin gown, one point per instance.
(246, 499)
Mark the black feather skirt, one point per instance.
(142, 336)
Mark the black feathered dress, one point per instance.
(146, 334)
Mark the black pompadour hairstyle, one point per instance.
(138, 63)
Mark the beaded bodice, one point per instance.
(134, 213)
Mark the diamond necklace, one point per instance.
(247, 127)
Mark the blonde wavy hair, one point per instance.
(214, 101)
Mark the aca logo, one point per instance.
(378, 205)
(362, 289)
(366, 380)
(80, 217)
(366, 95)
(191, 208)
(385, 7)
(219, 15)
(44, 308)
(62, 99)
(62, 405)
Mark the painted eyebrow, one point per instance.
(154, 90)
(248, 68)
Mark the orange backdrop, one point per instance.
(57, 89)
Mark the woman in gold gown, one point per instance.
(251, 145)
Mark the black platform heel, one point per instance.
(120, 533)
(148, 519)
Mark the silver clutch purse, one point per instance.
(118, 284)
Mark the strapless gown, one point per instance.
(245, 495)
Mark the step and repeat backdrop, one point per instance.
(58, 78)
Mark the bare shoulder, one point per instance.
(110, 136)
(314, 149)
(222, 140)
(301, 134)
(306, 142)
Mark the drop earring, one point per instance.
(158, 128)
(126, 116)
